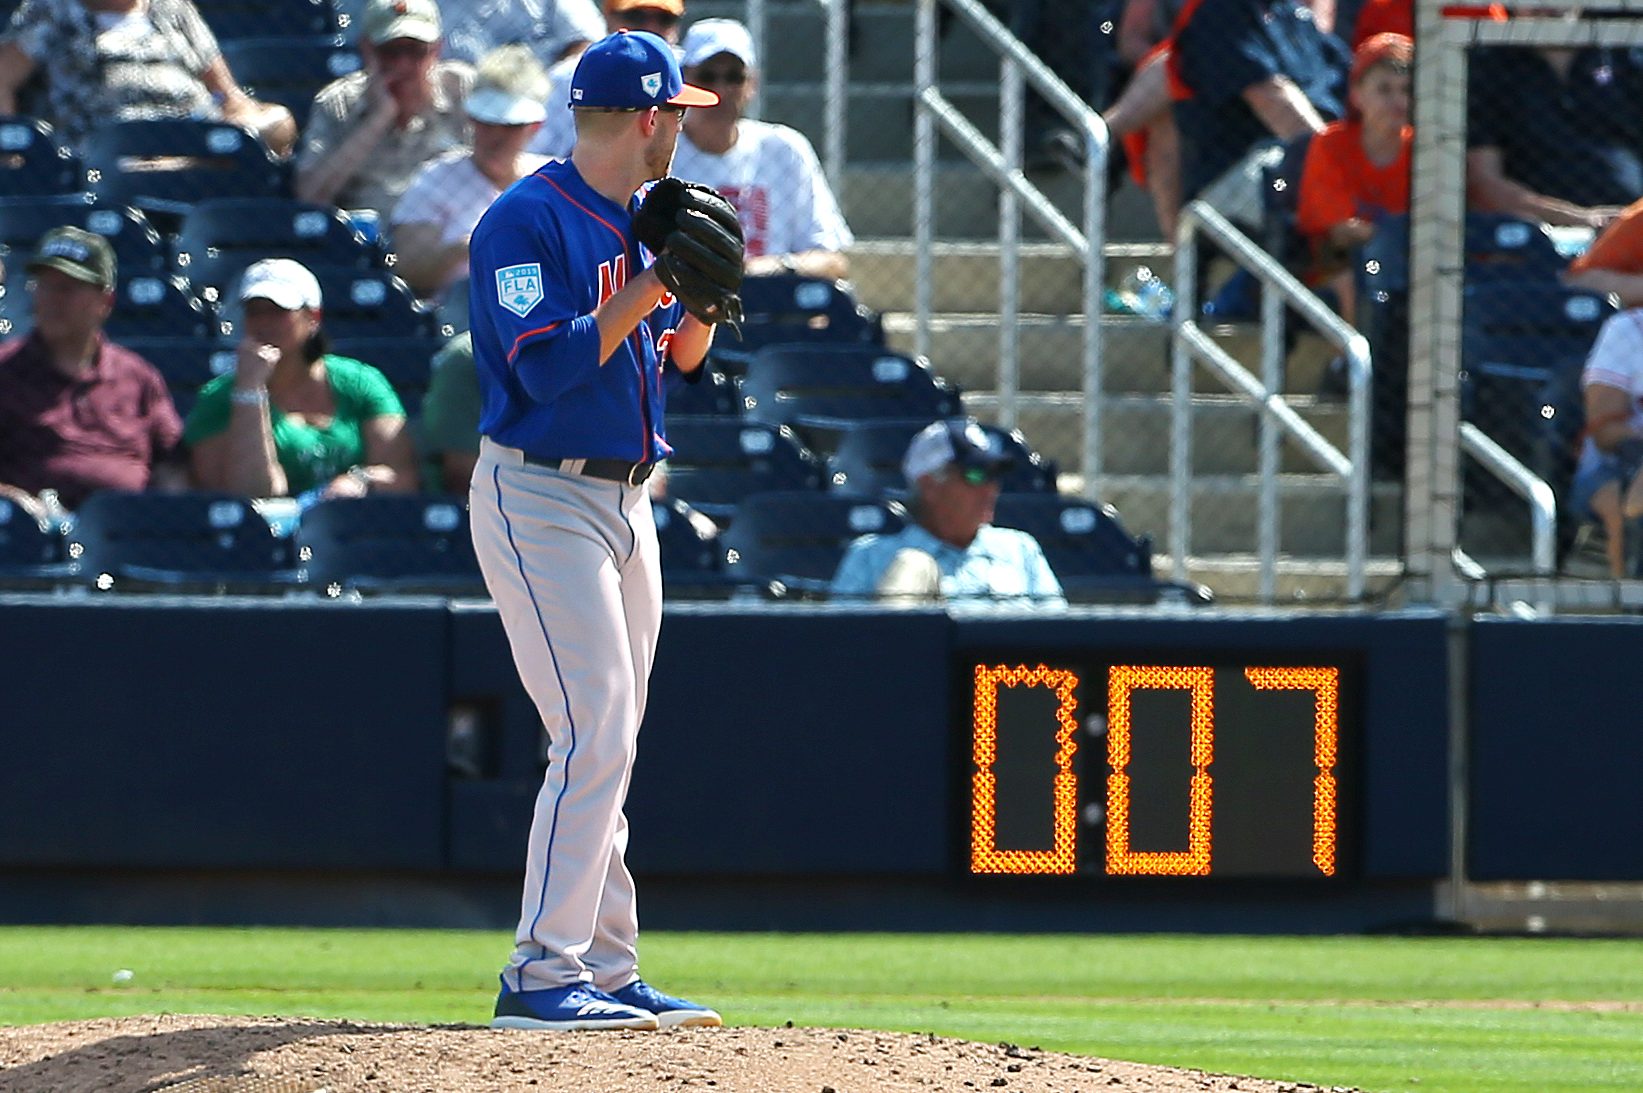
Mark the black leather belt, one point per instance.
(611, 470)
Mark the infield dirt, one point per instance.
(209, 1054)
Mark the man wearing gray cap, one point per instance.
(951, 551)
(432, 222)
(371, 131)
(77, 412)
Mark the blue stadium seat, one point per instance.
(389, 543)
(713, 395)
(786, 307)
(156, 305)
(718, 461)
(32, 162)
(219, 237)
(792, 542)
(185, 364)
(138, 248)
(1093, 557)
(31, 554)
(193, 540)
(166, 165)
(231, 19)
(289, 71)
(407, 362)
(1504, 248)
(689, 541)
(836, 386)
(868, 459)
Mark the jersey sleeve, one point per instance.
(1223, 50)
(1615, 356)
(1326, 197)
(1619, 247)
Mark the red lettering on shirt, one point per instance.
(612, 276)
(752, 205)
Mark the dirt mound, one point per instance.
(200, 1054)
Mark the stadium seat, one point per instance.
(31, 554)
(389, 543)
(718, 461)
(231, 19)
(138, 248)
(792, 542)
(210, 540)
(32, 162)
(1504, 248)
(406, 361)
(185, 364)
(786, 307)
(713, 395)
(690, 552)
(868, 459)
(360, 304)
(219, 237)
(158, 305)
(289, 71)
(836, 386)
(1093, 557)
(165, 165)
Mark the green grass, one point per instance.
(1381, 1013)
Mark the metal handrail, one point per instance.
(1523, 482)
(835, 101)
(1191, 342)
(1004, 168)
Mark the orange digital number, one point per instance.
(985, 856)
(1194, 861)
(1325, 684)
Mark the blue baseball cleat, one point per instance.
(577, 1007)
(670, 1012)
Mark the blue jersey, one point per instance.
(544, 256)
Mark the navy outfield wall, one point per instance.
(257, 735)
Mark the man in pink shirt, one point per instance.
(77, 412)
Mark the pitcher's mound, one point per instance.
(205, 1054)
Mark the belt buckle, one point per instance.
(638, 473)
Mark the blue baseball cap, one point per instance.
(633, 70)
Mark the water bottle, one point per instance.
(1145, 295)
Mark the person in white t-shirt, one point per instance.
(431, 223)
(769, 172)
(1607, 486)
(659, 17)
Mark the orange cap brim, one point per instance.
(690, 95)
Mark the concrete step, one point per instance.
(967, 274)
(1236, 578)
(964, 348)
(1311, 522)
(877, 199)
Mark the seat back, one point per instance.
(186, 364)
(1079, 539)
(170, 163)
(24, 541)
(718, 461)
(389, 541)
(868, 459)
(289, 71)
(713, 395)
(831, 386)
(157, 305)
(219, 237)
(787, 307)
(32, 162)
(138, 248)
(231, 19)
(173, 538)
(798, 537)
(1504, 248)
(689, 545)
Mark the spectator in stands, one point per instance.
(372, 130)
(550, 28)
(124, 60)
(450, 415)
(1074, 39)
(1143, 118)
(431, 224)
(951, 550)
(1254, 70)
(1555, 134)
(1614, 261)
(789, 216)
(1607, 486)
(79, 413)
(659, 17)
(1357, 170)
(293, 419)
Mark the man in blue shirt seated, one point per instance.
(951, 551)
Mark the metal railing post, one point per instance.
(924, 156)
(1180, 448)
(1011, 103)
(1272, 378)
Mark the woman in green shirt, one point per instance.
(292, 419)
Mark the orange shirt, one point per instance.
(1339, 183)
(1618, 247)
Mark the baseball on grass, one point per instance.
(124, 975)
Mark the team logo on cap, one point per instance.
(519, 288)
(651, 83)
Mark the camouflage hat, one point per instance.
(82, 255)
